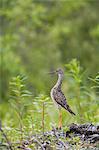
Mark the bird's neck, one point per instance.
(59, 81)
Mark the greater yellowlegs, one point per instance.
(58, 97)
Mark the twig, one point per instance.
(36, 141)
(65, 147)
(24, 148)
(54, 129)
(59, 139)
(43, 117)
(6, 138)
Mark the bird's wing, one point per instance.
(61, 100)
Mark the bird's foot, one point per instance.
(60, 125)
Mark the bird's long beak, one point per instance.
(53, 72)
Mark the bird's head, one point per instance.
(59, 72)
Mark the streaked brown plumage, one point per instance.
(57, 95)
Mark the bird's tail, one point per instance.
(69, 110)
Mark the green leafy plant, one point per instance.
(18, 98)
(75, 71)
(96, 81)
(84, 97)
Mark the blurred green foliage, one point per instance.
(26, 115)
(35, 38)
(38, 36)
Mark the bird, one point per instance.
(58, 96)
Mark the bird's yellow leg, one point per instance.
(60, 119)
